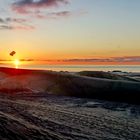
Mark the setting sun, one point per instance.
(16, 63)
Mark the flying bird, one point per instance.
(12, 53)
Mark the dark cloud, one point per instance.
(41, 9)
(113, 59)
(84, 60)
(5, 27)
(40, 3)
(16, 27)
(27, 60)
(24, 6)
(17, 20)
(1, 20)
(60, 14)
(14, 23)
(53, 15)
(11, 20)
(127, 59)
(20, 60)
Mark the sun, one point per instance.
(16, 63)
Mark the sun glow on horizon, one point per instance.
(16, 63)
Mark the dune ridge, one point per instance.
(70, 84)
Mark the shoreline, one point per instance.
(77, 68)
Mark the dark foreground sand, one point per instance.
(47, 117)
(32, 106)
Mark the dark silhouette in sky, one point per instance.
(12, 53)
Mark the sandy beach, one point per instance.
(33, 106)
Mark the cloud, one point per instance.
(17, 20)
(127, 59)
(122, 59)
(40, 8)
(40, 3)
(112, 59)
(14, 24)
(12, 27)
(19, 59)
(60, 14)
(7, 27)
(53, 15)
(11, 20)
(26, 6)
(1, 20)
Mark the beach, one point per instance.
(39, 104)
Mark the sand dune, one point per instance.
(69, 84)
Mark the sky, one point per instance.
(71, 31)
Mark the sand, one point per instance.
(50, 117)
(100, 85)
(32, 107)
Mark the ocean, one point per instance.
(75, 68)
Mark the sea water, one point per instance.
(75, 68)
